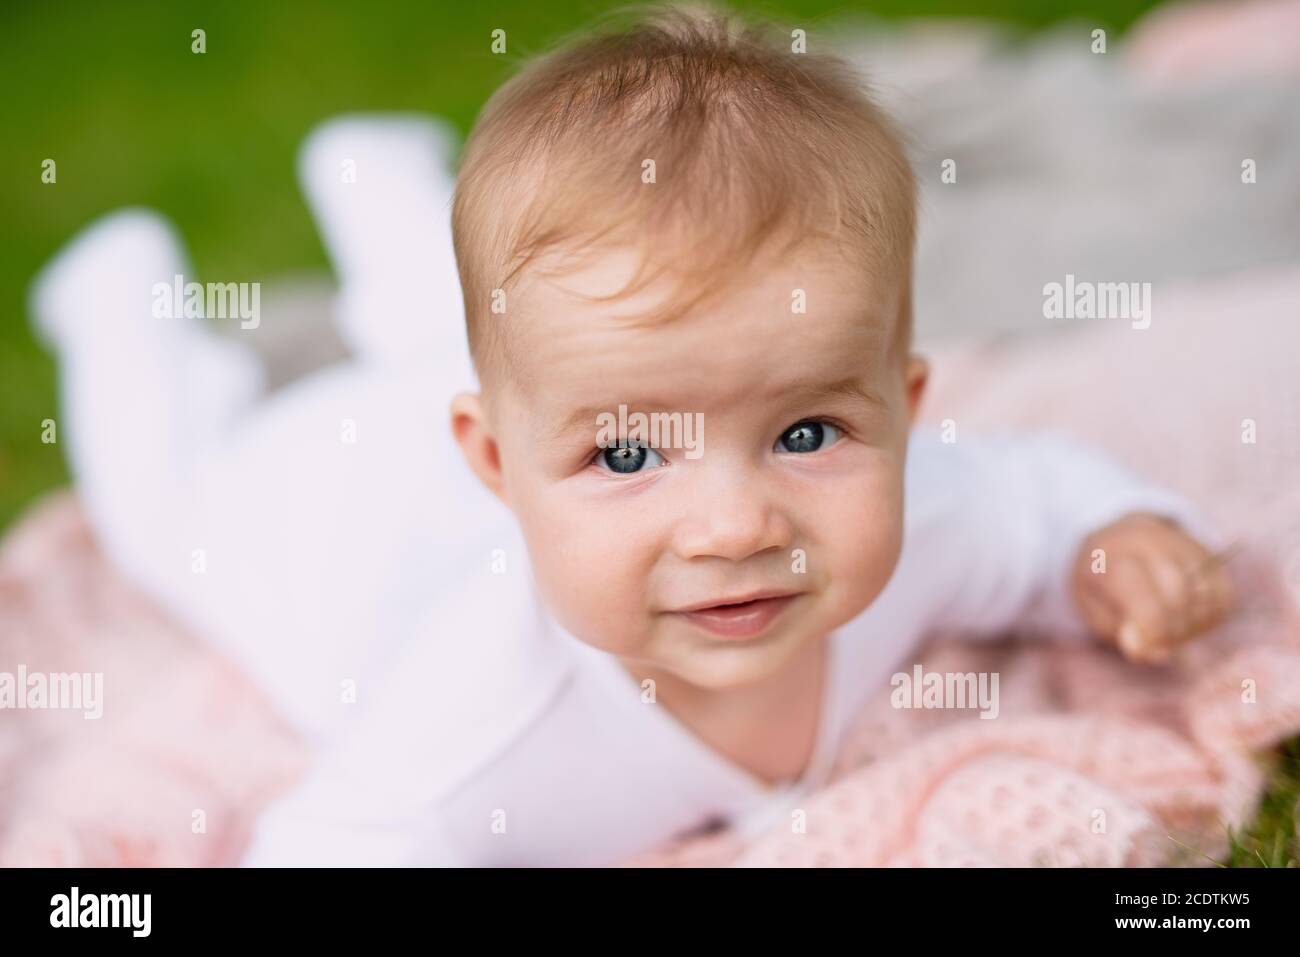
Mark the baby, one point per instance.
(685, 253)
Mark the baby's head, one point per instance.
(684, 218)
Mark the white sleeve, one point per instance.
(370, 797)
(1019, 513)
(474, 675)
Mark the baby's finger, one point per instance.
(1208, 594)
(1099, 612)
(1144, 624)
(1224, 598)
(1210, 598)
(1212, 595)
(1137, 647)
(1175, 595)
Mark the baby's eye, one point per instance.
(628, 457)
(807, 437)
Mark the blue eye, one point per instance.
(807, 436)
(627, 458)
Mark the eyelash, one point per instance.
(845, 432)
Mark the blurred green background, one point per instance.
(112, 93)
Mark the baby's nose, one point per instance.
(734, 522)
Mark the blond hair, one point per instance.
(749, 141)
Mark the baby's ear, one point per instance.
(469, 423)
(915, 376)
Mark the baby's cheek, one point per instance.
(588, 579)
(867, 539)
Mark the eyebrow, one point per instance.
(588, 415)
(849, 388)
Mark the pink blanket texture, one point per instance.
(1091, 761)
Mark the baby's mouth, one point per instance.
(743, 618)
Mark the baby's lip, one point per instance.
(739, 599)
(741, 620)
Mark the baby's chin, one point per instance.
(739, 672)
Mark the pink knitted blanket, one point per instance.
(1091, 761)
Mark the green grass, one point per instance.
(1274, 839)
(113, 94)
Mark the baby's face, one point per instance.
(785, 485)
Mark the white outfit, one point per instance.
(482, 733)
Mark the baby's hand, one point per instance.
(1160, 586)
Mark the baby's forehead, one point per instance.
(576, 334)
(624, 292)
(712, 361)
